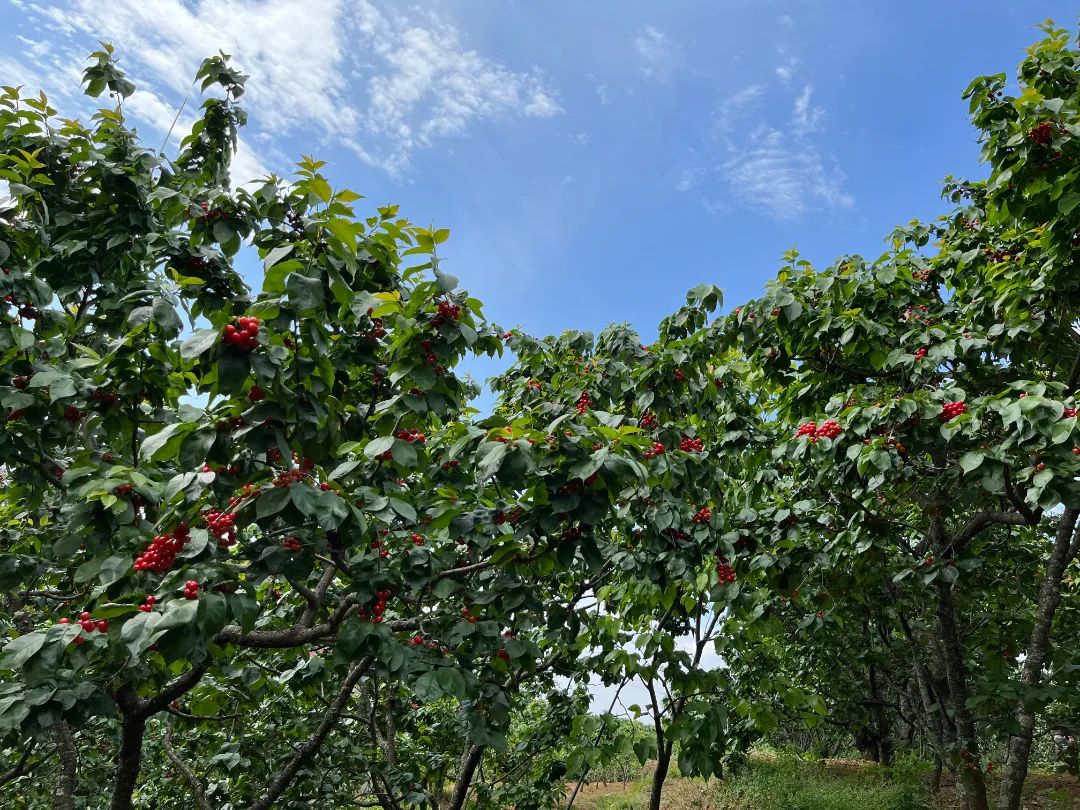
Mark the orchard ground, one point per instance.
(789, 782)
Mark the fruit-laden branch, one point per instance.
(311, 747)
(298, 635)
(189, 775)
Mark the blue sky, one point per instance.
(593, 160)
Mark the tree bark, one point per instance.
(311, 747)
(132, 731)
(197, 791)
(1065, 541)
(971, 778)
(64, 789)
(469, 761)
(663, 763)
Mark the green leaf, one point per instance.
(344, 468)
(155, 446)
(114, 568)
(272, 501)
(376, 447)
(276, 255)
(404, 453)
(331, 510)
(490, 463)
(1068, 202)
(200, 341)
(402, 508)
(21, 649)
(304, 293)
(971, 460)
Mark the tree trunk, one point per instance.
(64, 789)
(469, 761)
(663, 763)
(1065, 547)
(970, 778)
(132, 730)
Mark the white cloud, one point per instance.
(786, 20)
(788, 70)
(659, 54)
(783, 175)
(354, 72)
(691, 178)
(777, 167)
(806, 118)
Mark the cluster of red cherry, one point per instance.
(703, 515)
(378, 609)
(244, 335)
(411, 435)
(377, 329)
(724, 572)
(447, 312)
(223, 526)
(105, 397)
(162, 551)
(148, 604)
(690, 445)
(829, 429)
(951, 410)
(583, 402)
(191, 589)
(286, 478)
(87, 623)
(291, 544)
(1042, 133)
(658, 449)
(648, 420)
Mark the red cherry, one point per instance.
(103, 626)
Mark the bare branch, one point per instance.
(311, 747)
(189, 775)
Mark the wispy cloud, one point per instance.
(786, 72)
(805, 117)
(778, 167)
(358, 73)
(660, 55)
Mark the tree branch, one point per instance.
(981, 520)
(311, 747)
(20, 766)
(189, 775)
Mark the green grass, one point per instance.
(791, 784)
(784, 783)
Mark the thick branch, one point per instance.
(984, 519)
(469, 761)
(174, 689)
(189, 775)
(20, 766)
(311, 747)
